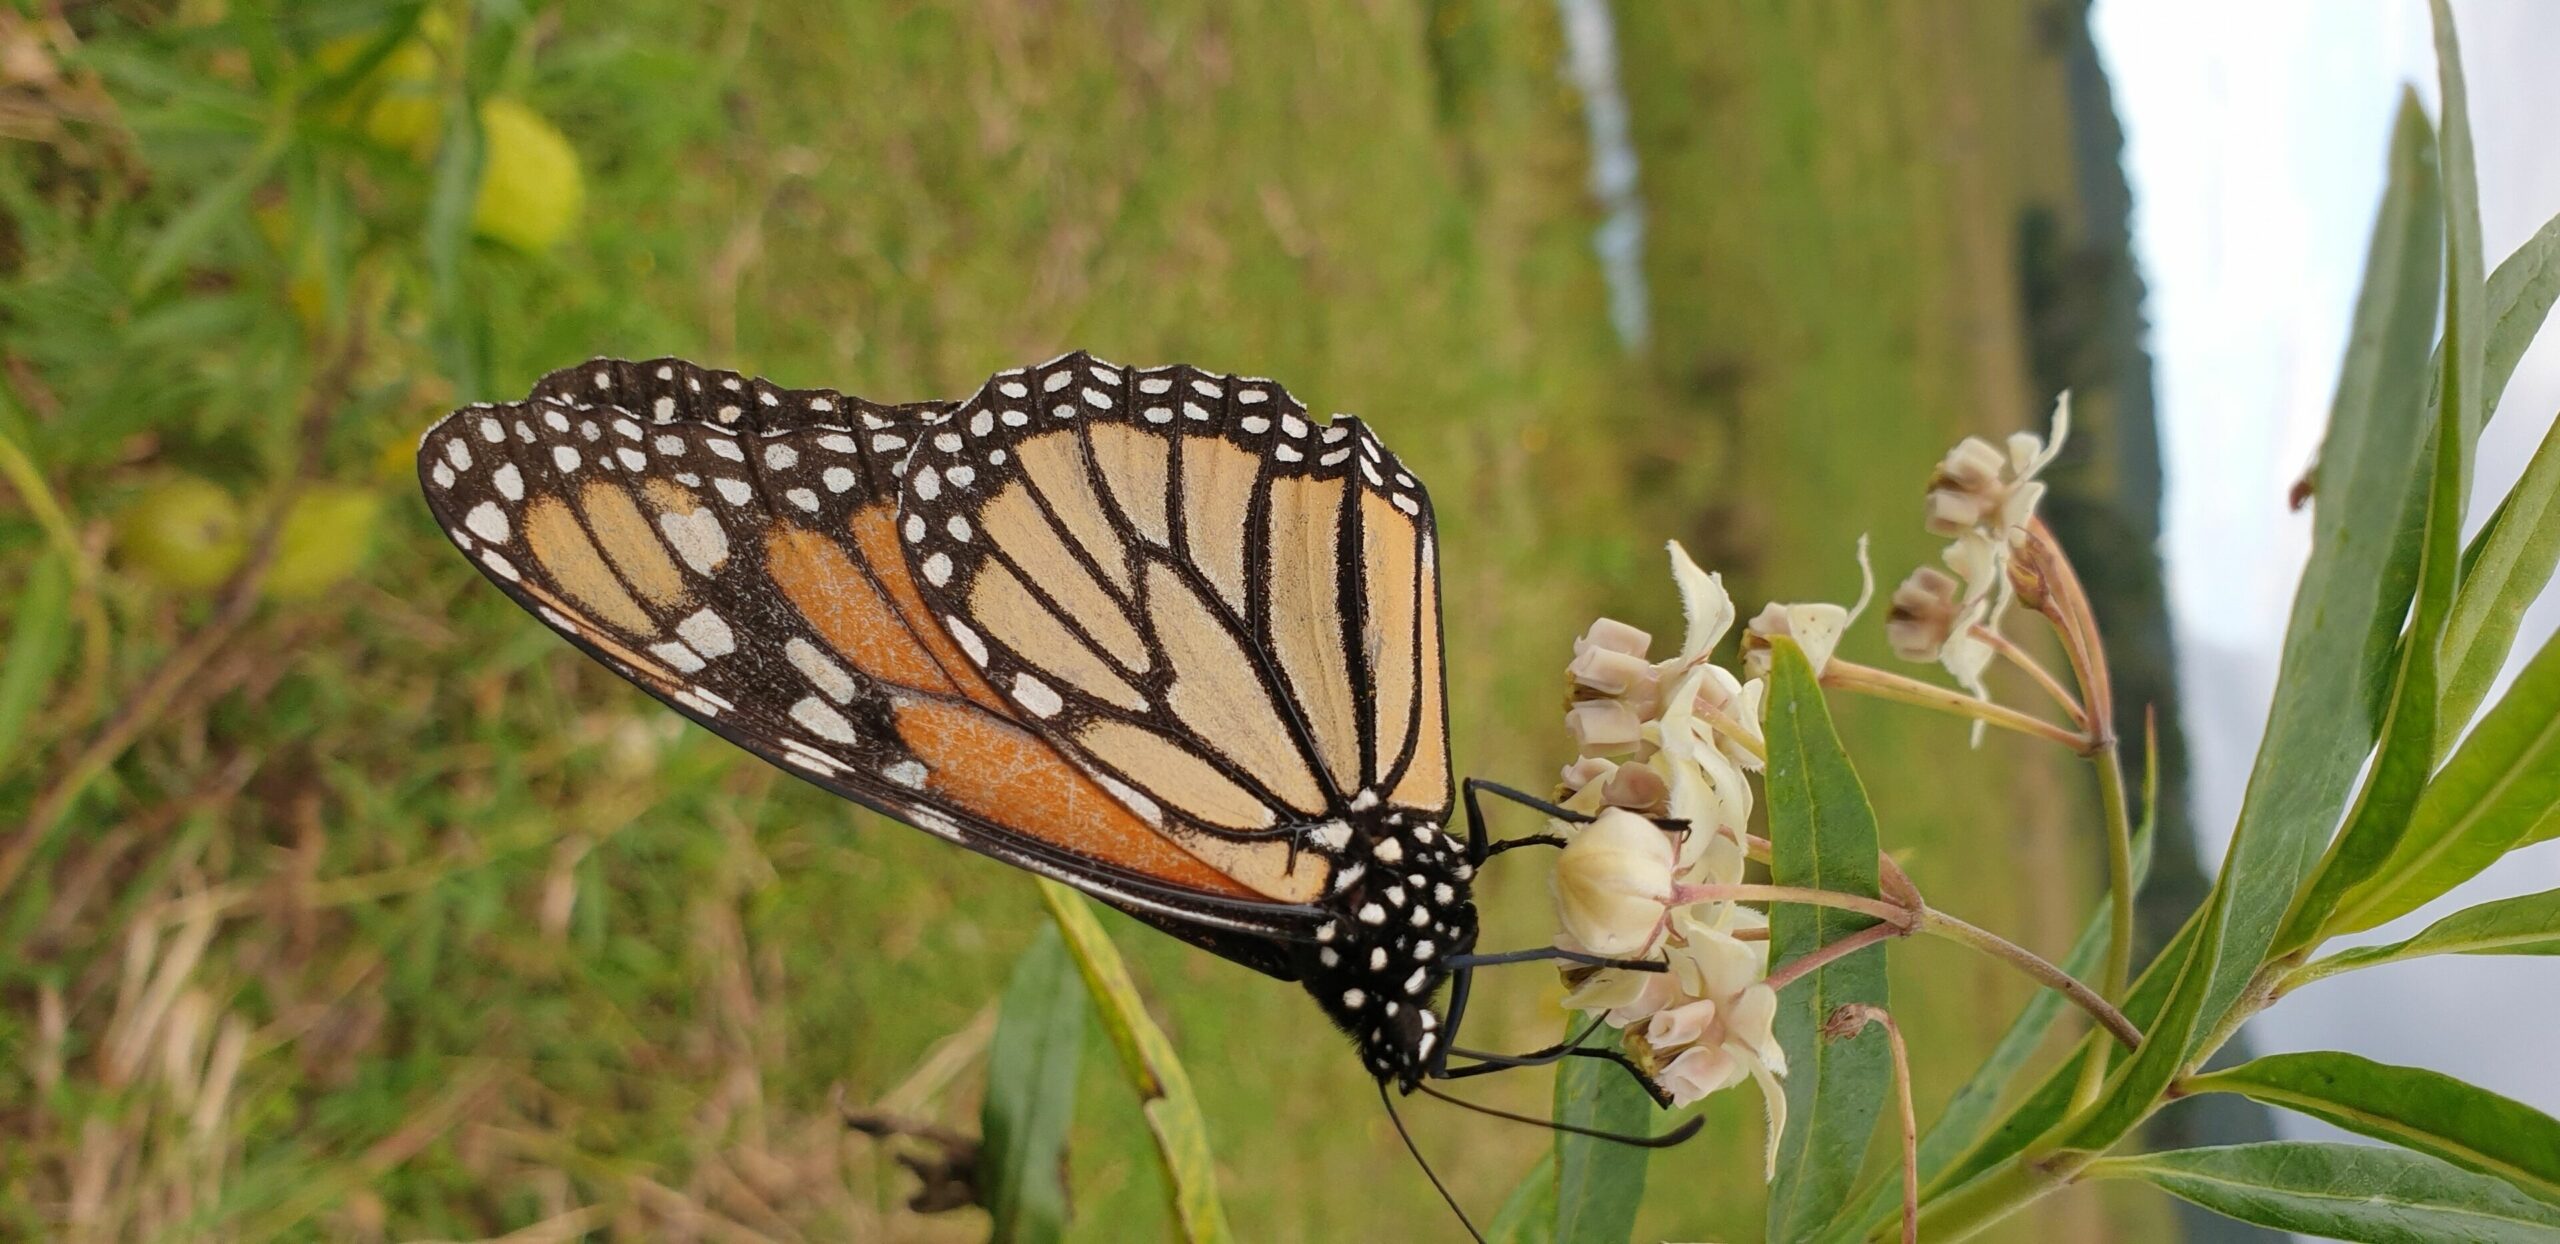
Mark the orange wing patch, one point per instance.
(994, 770)
(826, 587)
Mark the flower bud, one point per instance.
(1637, 788)
(1613, 884)
(1966, 487)
(1923, 615)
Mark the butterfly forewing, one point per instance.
(1226, 610)
(733, 547)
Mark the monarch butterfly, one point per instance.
(1152, 632)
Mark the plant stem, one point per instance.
(1901, 921)
(1940, 924)
(2008, 648)
(1897, 918)
(2119, 815)
(1822, 956)
(1845, 1023)
(1886, 685)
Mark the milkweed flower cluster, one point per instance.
(1666, 749)
(1984, 499)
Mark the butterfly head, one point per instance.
(1402, 905)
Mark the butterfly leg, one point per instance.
(1479, 849)
(1488, 1063)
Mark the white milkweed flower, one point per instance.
(1703, 1024)
(1985, 499)
(1979, 487)
(1816, 628)
(1613, 884)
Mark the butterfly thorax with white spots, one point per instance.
(1402, 906)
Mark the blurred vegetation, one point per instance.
(339, 901)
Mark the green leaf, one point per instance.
(2410, 733)
(39, 636)
(1822, 833)
(2528, 924)
(1031, 1095)
(1599, 1184)
(2520, 295)
(455, 187)
(184, 235)
(2346, 619)
(1147, 1059)
(1964, 1123)
(2345, 1192)
(1528, 1215)
(2497, 793)
(2506, 567)
(2413, 1108)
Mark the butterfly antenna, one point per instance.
(1425, 1163)
(1663, 1141)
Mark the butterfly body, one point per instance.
(1151, 632)
(1401, 906)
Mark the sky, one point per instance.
(2255, 145)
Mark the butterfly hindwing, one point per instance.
(1225, 609)
(732, 547)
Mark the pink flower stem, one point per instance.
(2008, 649)
(1822, 956)
(1901, 919)
(1846, 1023)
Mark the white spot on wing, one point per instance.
(821, 670)
(708, 634)
(509, 480)
(1036, 695)
(822, 720)
(488, 522)
(697, 537)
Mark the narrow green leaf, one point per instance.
(2409, 730)
(2466, 330)
(2498, 791)
(1599, 1184)
(2521, 292)
(2411, 1107)
(2347, 612)
(39, 636)
(1822, 833)
(2346, 619)
(2528, 924)
(1965, 1121)
(1528, 1215)
(1031, 1095)
(454, 189)
(2506, 567)
(1147, 1059)
(2345, 1192)
(185, 233)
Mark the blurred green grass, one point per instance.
(494, 942)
